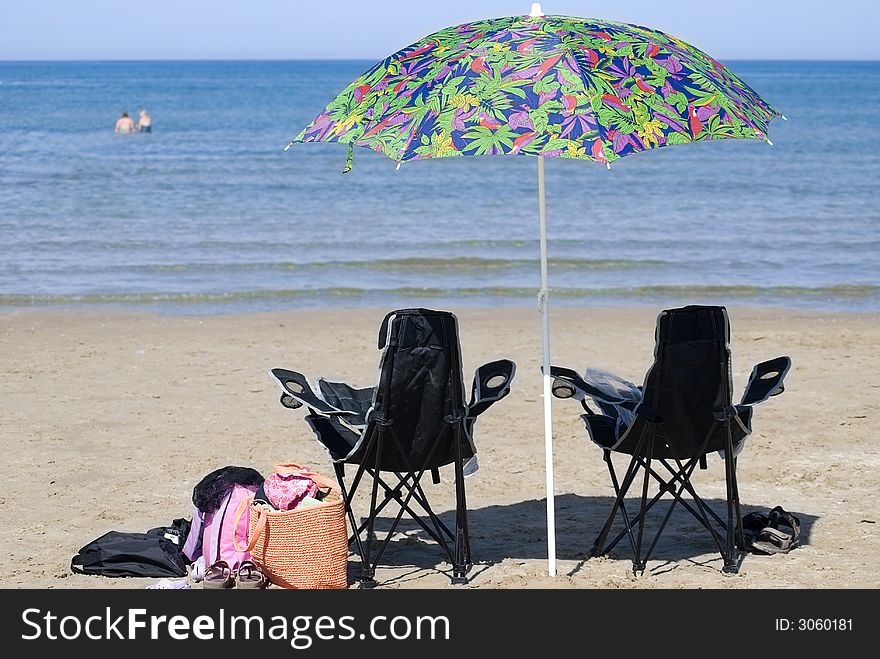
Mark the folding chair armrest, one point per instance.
(766, 380)
(491, 384)
(567, 383)
(296, 392)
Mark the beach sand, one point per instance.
(108, 419)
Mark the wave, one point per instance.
(413, 263)
(419, 263)
(71, 244)
(833, 293)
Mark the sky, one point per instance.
(351, 29)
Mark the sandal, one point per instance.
(764, 536)
(219, 575)
(773, 540)
(250, 575)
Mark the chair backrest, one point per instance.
(688, 386)
(419, 397)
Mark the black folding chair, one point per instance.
(668, 426)
(413, 421)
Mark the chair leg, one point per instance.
(356, 536)
(733, 553)
(599, 544)
(368, 569)
(741, 537)
(638, 563)
(599, 547)
(462, 563)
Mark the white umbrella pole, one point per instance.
(543, 306)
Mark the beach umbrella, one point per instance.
(544, 86)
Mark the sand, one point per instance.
(108, 418)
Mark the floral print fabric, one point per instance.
(551, 86)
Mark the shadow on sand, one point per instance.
(518, 531)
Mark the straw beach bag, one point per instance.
(302, 548)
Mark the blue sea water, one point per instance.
(209, 214)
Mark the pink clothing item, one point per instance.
(288, 486)
(219, 530)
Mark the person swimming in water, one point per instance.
(124, 124)
(145, 123)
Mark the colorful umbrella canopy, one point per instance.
(541, 86)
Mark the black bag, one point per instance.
(150, 554)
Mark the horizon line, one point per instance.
(354, 59)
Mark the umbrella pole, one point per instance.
(543, 306)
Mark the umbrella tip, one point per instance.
(769, 142)
(784, 118)
(536, 10)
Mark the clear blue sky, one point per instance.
(343, 29)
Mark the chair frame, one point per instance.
(728, 535)
(379, 433)
(459, 554)
(731, 548)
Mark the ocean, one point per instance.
(208, 214)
